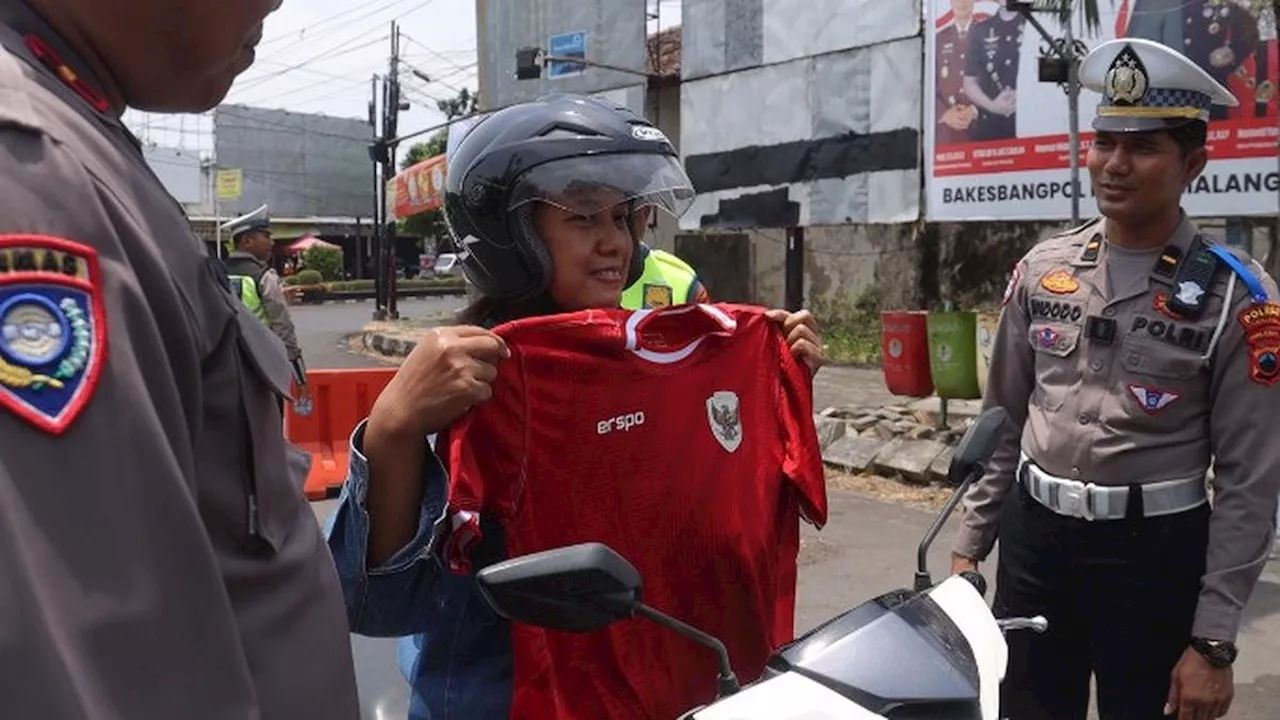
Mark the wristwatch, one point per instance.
(1219, 653)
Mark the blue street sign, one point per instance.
(572, 44)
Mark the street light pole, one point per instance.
(1073, 117)
(1066, 51)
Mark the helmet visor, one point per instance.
(588, 184)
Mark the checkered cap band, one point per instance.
(1170, 98)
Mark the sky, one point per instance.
(319, 56)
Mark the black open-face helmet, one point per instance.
(576, 152)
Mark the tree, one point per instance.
(461, 105)
(325, 260)
(431, 225)
(1064, 9)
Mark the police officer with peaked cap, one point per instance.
(1132, 353)
(157, 557)
(258, 286)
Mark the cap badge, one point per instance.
(1126, 81)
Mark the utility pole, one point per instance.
(1073, 114)
(373, 244)
(383, 154)
(391, 108)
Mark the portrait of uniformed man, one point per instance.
(1220, 36)
(1139, 360)
(955, 113)
(991, 74)
(1158, 20)
(1254, 81)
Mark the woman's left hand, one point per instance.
(801, 329)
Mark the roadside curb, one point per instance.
(388, 345)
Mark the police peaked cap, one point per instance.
(1146, 85)
(257, 220)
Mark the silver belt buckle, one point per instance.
(1076, 501)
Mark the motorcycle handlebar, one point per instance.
(975, 579)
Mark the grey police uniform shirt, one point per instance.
(131, 585)
(1146, 407)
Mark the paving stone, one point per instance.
(909, 458)
(829, 430)
(853, 454)
(862, 422)
(941, 465)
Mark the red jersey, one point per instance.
(683, 438)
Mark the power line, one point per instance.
(303, 31)
(326, 55)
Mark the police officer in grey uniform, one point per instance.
(157, 557)
(251, 239)
(1131, 353)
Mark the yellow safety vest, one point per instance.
(247, 289)
(665, 281)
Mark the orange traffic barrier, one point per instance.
(341, 399)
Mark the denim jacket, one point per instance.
(455, 652)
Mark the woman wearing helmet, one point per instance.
(546, 202)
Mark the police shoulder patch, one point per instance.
(53, 333)
(1014, 278)
(1261, 325)
(657, 296)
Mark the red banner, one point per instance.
(420, 188)
(1227, 141)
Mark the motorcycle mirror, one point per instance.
(978, 444)
(967, 464)
(579, 588)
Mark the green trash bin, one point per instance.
(953, 354)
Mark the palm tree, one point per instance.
(1087, 10)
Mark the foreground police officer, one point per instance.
(258, 286)
(1131, 352)
(157, 557)
(665, 280)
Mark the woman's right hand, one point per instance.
(447, 373)
(450, 370)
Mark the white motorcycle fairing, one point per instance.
(788, 696)
(970, 613)
(940, 648)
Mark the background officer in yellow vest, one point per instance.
(666, 280)
(258, 286)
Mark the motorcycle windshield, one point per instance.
(891, 655)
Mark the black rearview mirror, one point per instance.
(978, 443)
(580, 588)
(970, 458)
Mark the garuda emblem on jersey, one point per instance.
(52, 329)
(725, 418)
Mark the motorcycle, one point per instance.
(933, 652)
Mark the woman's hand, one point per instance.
(449, 370)
(801, 329)
(447, 373)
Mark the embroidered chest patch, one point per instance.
(1152, 399)
(52, 329)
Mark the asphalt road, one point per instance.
(867, 548)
